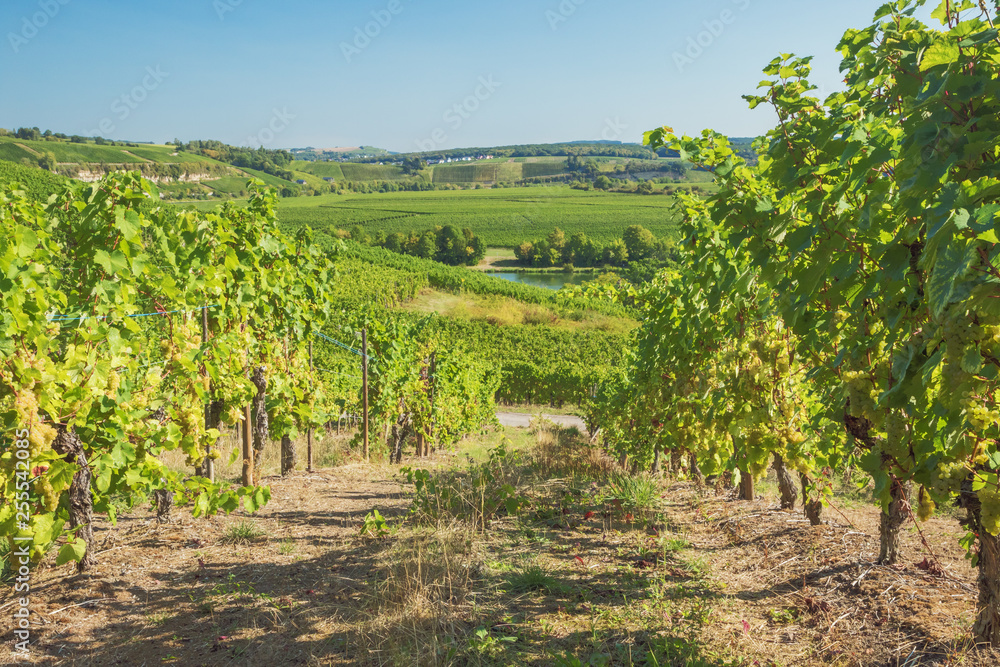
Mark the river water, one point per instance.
(552, 281)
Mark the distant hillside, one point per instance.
(212, 170)
(342, 153)
(204, 171)
(580, 148)
(744, 148)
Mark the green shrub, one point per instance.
(477, 494)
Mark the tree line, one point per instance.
(446, 244)
(637, 244)
(270, 161)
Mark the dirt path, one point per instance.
(697, 578)
(521, 420)
(27, 148)
(140, 159)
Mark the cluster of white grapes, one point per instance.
(49, 496)
(863, 396)
(979, 416)
(41, 435)
(926, 506)
(114, 382)
(948, 478)
(989, 498)
(897, 436)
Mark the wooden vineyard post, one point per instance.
(287, 446)
(309, 431)
(247, 448)
(209, 463)
(364, 389)
(421, 432)
(433, 382)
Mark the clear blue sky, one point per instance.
(558, 70)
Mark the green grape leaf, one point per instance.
(972, 360)
(941, 52)
(74, 550)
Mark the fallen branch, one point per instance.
(78, 604)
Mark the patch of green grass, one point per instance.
(242, 532)
(639, 493)
(675, 544)
(507, 311)
(159, 618)
(70, 152)
(158, 153)
(698, 567)
(530, 578)
(783, 616)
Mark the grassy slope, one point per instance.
(11, 151)
(321, 169)
(269, 179)
(371, 172)
(313, 180)
(231, 185)
(10, 148)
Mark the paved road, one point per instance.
(521, 420)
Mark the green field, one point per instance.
(313, 181)
(321, 169)
(503, 217)
(230, 185)
(14, 153)
(166, 154)
(273, 181)
(69, 152)
(371, 172)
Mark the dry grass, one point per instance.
(504, 311)
(422, 596)
(557, 453)
(329, 450)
